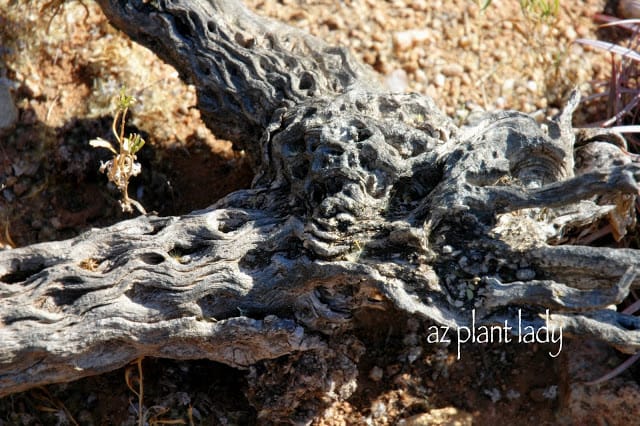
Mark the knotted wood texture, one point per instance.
(363, 201)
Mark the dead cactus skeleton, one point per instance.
(363, 201)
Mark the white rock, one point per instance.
(570, 33)
(500, 102)
(507, 85)
(376, 374)
(404, 40)
(397, 81)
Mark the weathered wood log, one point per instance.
(363, 201)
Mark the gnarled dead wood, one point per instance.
(363, 200)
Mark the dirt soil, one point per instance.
(64, 63)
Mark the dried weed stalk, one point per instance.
(623, 115)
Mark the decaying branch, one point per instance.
(363, 201)
(245, 68)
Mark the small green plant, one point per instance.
(483, 4)
(545, 9)
(55, 6)
(542, 8)
(538, 18)
(123, 165)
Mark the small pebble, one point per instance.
(500, 102)
(404, 40)
(439, 416)
(420, 76)
(551, 392)
(570, 33)
(513, 394)
(508, 85)
(414, 354)
(494, 394)
(376, 374)
(378, 409)
(452, 70)
(397, 81)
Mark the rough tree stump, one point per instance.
(363, 201)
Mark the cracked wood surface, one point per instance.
(363, 201)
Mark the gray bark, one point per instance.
(363, 201)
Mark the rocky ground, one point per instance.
(63, 65)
